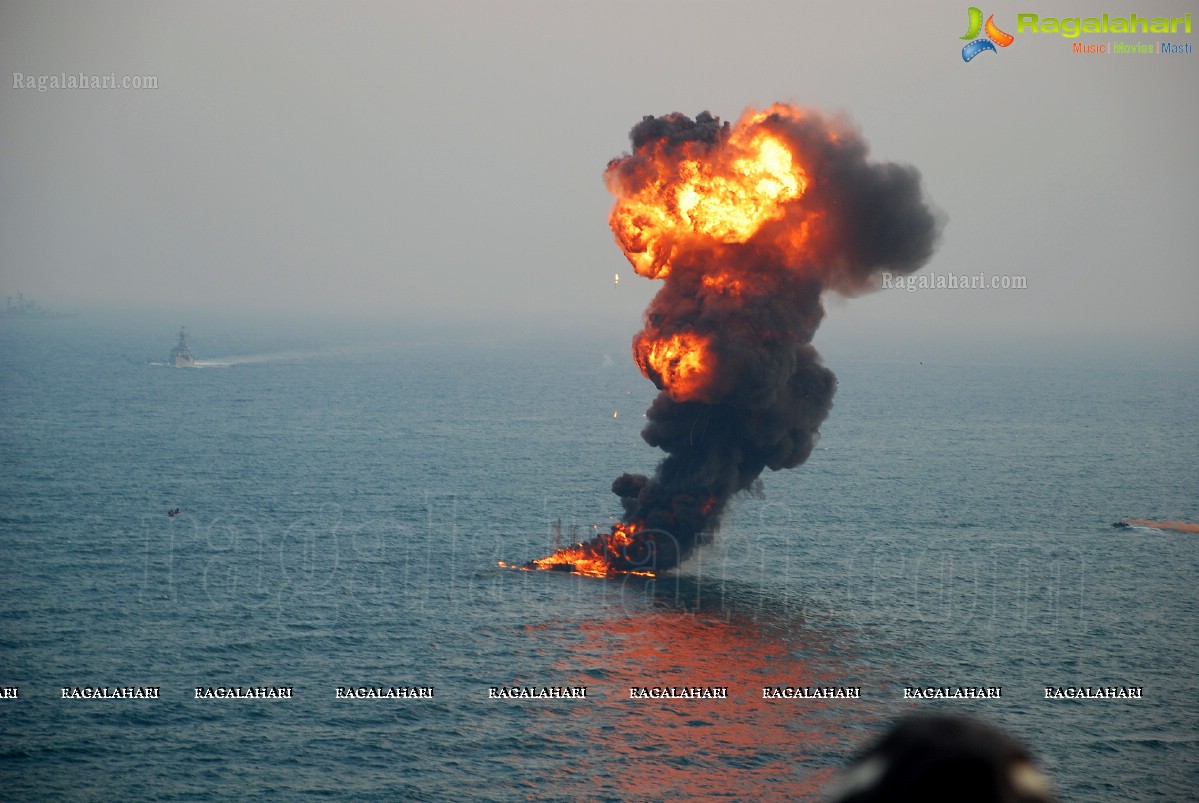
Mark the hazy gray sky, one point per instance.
(447, 158)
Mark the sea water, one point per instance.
(346, 499)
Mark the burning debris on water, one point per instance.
(746, 225)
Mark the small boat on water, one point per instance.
(181, 355)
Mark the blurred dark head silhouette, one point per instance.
(937, 758)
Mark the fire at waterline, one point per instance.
(746, 225)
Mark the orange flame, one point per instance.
(723, 283)
(679, 364)
(595, 557)
(724, 195)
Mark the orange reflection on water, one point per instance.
(743, 747)
(1178, 526)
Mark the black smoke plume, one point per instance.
(756, 303)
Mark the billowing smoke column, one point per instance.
(746, 226)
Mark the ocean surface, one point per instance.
(346, 498)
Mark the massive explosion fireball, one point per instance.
(746, 225)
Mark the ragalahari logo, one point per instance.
(995, 35)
